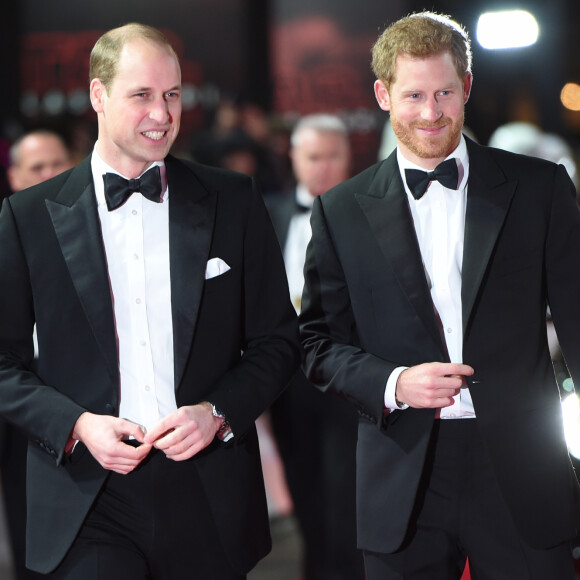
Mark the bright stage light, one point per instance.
(507, 29)
(571, 414)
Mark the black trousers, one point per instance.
(152, 524)
(460, 513)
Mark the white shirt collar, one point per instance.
(303, 196)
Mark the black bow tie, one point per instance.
(445, 173)
(118, 189)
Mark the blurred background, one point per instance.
(258, 65)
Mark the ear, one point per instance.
(467, 82)
(382, 95)
(13, 181)
(97, 93)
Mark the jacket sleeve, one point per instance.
(271, 351)
(334, 359)
(44, 414)
(563, 269)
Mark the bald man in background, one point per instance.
(316, 435)
(36, 157)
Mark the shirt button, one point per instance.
(135, 256)
(450, 330)
(138, 301)
(147, 388)
(143, 343)
(134, 212)
(453, 415)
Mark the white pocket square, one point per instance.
(215, 267)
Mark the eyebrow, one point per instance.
(146, 89)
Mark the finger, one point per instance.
(131, 429)
(461, 369)
(126, 453)
(175, 454)
(128, 456)
(167, 439)
(142, 451)
(158, 431)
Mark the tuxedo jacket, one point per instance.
(235, 343)
(282, 207)
(367, 309)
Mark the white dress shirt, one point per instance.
(439, 219)
(136, 240)
(299, 234)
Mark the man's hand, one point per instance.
(103, 436)
(431, 385)
(185, 432)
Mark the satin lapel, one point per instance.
(76, 224)
(489, 194)
(191, 223)
(386, 208)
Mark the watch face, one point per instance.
(216, 412)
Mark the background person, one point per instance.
(316, 435)
(35, 157)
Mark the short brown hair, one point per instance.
(106, 53)
(420, 35)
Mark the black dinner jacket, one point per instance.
(235, 343)
(282, 207)
(367, 310)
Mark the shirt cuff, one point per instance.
(70, 446)
(390, 400)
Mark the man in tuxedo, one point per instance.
(316, 435)
(164, 329)
(426, 286)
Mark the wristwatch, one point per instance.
(225, 431)
(400, 405)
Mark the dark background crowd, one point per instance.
(251, 68)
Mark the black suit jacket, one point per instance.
(367, 309)
(235, 343)
(282, 207)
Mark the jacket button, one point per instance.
(109, 408)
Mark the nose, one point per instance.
(159, 111)
(431, 110)
(49, 172)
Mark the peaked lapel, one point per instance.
(76, 223)
(489, 194)
(387, 211)
(191, 223)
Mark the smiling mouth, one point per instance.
(435, 127)
(155, 135)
